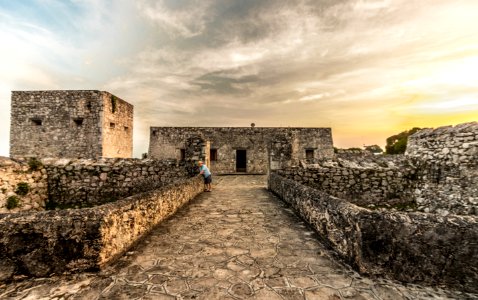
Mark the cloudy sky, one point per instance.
(366, 68)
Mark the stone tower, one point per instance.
(70, 124)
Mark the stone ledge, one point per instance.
(38, 244)
(410, 247)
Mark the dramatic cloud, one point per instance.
(366, 68)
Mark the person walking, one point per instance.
(204, 171)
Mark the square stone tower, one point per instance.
(70, 124)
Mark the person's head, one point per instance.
(200, 163)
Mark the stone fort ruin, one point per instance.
(245, 149)
(409, 217)
(71, 124)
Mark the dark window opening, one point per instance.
(126, 128)
(241, 161)
(113, 104)
(36, 121)
(112, 125)
(213, 155)
(78, 121)
(183, 154)
(309, 154)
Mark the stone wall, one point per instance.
(167, 142)
(447, 145)
(62, 241)
(24, 186)
(448, 168)
(83, 183)
(70, 124)
(55, 124)
(411, 247)
(117, 126)
(365, 183)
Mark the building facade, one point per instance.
(245, 149)
(70, 124)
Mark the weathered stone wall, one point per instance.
(365, 184)
(448, 168)
(411, 247)
(62, 241)
(46, 124)
(167, 142)
(117, 126)
(70, 124)
(28, 187)
(394, 182)
(447, 145)
(82, 183)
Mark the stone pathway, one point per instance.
(238, 242)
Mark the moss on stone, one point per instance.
(22, 189)
(13, 202)
(34, 164)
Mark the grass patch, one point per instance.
(34, 164)
(22, 189)
(13, 202)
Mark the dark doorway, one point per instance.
(241, 161)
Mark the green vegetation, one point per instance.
(13, 202)
(34, 164)
(373, 149)
(22, 189)
(397, 144)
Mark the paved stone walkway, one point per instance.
(238, 242)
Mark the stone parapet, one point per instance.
(38, 244)
(82, 183)
(361, 182)
(411, 247)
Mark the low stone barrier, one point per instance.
(411, 247)
(62, 241)
(85, 182)
(362, 185)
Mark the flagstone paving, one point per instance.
(237, 242)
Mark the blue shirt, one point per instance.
(206, 173)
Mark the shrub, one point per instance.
(22, 189)
(34, 164)
(12, 202)
(397, 144)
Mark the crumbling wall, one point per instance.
(56, 124)
(411, 247)
(83, 183)
(39, 244)
(447, 159)
(365, 184)
(167, 142)
(448, 145)
(21, 187)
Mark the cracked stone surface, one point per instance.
(238, 242)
